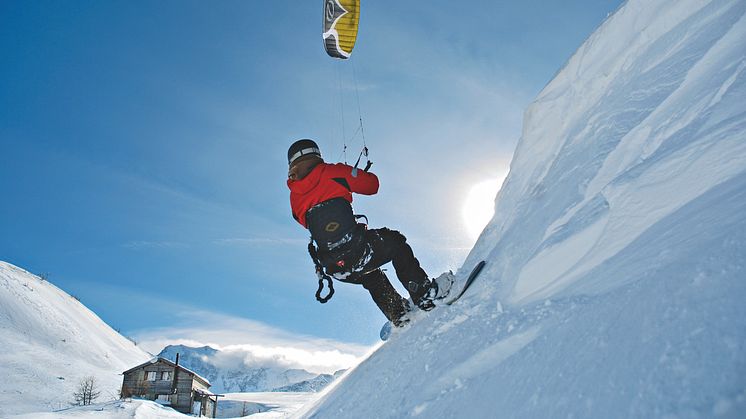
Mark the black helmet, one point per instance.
(302, 148)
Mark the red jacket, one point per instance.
(327, 181)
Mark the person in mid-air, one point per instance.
(321, 198)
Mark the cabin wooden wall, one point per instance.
(135, 383)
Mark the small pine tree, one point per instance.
(87, 392)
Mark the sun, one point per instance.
(479, 206)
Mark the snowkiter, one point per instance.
(321, 198)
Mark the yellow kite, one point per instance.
(341, 19)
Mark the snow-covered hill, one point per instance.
(229, 374)
(49, 342)
(616, 274)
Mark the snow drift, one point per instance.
(617, 253)
(49, 342)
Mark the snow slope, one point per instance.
(616, 273)
(49, 342)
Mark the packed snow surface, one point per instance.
(116, 409)
(256, 405)
(264, 405)
(616, 274)
(50, 341)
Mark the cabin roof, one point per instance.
(159, 359)
(207, 393)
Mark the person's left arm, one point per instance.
(358, 181)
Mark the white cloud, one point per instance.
(248, 342)
(240, 339)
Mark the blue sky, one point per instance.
(144, 145)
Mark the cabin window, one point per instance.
(166, 376)
(152, 375)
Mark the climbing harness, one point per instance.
(321, 271)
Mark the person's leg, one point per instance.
(391, 245)
(393, 305)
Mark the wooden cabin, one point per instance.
(170, 384)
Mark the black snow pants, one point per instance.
(391, 246)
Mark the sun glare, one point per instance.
(479, 206)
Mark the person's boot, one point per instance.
(394, 306)
(439, 289)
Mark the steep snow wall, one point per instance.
(49, 341)
(616, 273)
(645, 118)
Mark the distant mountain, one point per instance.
(239, 378)
(49, 342)
(313, 385)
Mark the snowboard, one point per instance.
(388, 327)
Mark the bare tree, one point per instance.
(87, 392)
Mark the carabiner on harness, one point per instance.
(321, 275)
